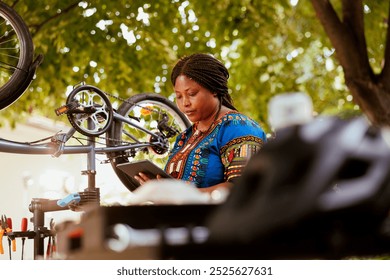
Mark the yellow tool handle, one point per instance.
(14, 245)
(1, 242)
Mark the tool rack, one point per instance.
(39, 206)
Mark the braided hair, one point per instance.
(208, 72)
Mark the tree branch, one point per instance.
(14, 3)
(347, 39)
(37, 27)
(353, 20)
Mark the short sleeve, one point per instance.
(240, 137)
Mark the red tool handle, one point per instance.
(24, 224)
(9, 222)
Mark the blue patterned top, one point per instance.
(218, 155)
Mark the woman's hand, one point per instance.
(142, 178)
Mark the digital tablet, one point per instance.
(145, 166)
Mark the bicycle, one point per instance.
(143, 127)
(16, 56)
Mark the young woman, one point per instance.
(215, 149)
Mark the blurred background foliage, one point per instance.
(129, 47)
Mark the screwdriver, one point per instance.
(9, 222)
(24, 229)
(48, 250)
(7, 230)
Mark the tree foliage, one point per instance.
(129, 47)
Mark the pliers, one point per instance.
(7, 229)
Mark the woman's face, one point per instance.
(197, 102)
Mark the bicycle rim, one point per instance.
(16, 55)
(144, 110)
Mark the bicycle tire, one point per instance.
(15, 66)
(143, 106)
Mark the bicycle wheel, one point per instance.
(145, 110)
(16, 55)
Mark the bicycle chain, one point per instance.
(131, 103)
(106, 138)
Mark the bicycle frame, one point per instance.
(56, 149)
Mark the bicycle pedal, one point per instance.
(62, 110)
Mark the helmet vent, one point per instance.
(352, 168)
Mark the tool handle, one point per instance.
(24, 224)
(9, 222)
(14, 245)
(13, 240)
(48, 250)
(23, 229)
(1, 242)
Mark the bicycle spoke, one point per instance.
(10, 67)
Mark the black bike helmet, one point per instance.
(320, 190)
